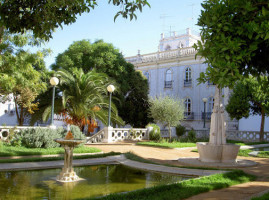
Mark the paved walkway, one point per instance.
(170, 156)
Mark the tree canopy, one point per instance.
(250, 97)
(21, 73)
(84, 98)
(167, 111)
(43, 17)
(132, 94)
(235, 40)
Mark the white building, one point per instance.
(173, 70)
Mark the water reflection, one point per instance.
(98, 181)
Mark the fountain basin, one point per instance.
(98, 180)
(71, 143)
(225, 153)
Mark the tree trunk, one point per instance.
(17, 109)
(170, 134)
(21, 117)
(262, 125)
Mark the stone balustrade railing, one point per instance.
(163, 55)
(109, 134)
(4, 130)
(246, 136)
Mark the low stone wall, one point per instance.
(4, 130)
(247, 136)
(109, 134)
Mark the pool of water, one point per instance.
(98, 181)
(261, 149)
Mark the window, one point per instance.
(188, 114)
(188, 79)
(210, 104)
(168, 79)
(187, 105)
(167, 48)
(180, 45)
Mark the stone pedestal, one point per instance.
(67, 174)
(108, 134)
(216, 150)
(217, 153)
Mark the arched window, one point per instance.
(210, 104)
(180, 45)
(168, 79)
(187, 103)
(188, 114)
(168, 47)
(188, 79)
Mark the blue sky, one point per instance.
(128, 36)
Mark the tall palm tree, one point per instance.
(85, 98)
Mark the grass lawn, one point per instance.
(166, 144)
(176, 144)
(263, 197)
(6, 150)
(184, 189)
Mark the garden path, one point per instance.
(170, 156)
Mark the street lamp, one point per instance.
(204, 100)
(53, 81)
(110, 89)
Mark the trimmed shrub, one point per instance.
(192, 136)
(155, 133)
(76, 133)
(43, 137)
(180, 130)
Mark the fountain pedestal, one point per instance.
(67, 174)
(216, 150)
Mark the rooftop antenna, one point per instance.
(163, 17)
(191, 15)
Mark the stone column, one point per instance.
(108, 134)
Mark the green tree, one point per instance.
(235, 40)
(21, 73)
(250, 97)
(42, 17)
(167, 111)
(84, 97)
(132, 94)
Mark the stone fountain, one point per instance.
(67, 174)
(217, 150)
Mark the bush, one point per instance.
(43, 137)
(180, 130)
(155, 133)
(192, 136)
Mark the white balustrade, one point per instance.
(163, 55)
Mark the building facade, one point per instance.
(173, 70)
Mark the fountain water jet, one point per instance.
(67, 174)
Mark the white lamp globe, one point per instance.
(205, 100)
(54, 81)
(110, 88)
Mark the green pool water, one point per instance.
(98, 181)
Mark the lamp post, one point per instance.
(110, 89)
(53, 81)
(204, 100)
